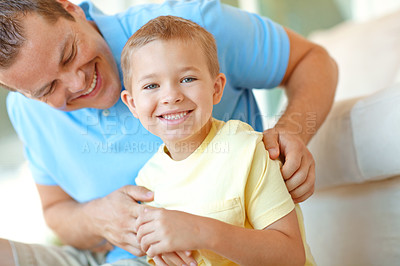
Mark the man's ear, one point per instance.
(128, 100)
(219, 86)
(72, 8)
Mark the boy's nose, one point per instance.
(172, 96)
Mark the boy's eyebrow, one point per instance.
(63, 50)
(188, 68)
(183, 69)
(148, 76)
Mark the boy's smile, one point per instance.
(173, 92)
(174, 117)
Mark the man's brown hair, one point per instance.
(169, 28)
(12, 13)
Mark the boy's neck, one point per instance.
(180, 150)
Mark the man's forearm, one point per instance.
(69, 219)
(86, 225)
(310, 87)
(72, 223)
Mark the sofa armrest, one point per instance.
(359, 141)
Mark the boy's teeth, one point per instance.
(175, 116)
(94, 82)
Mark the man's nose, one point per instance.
(75, 81)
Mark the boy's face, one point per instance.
(173, 92)
(66, 64)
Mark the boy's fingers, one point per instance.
(159, 261)
(186, 256)
(171, 258)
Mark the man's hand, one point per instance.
(298, 168)
(114, 217)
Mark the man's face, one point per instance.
(67, 64)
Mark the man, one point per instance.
(84, 148)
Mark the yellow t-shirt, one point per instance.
(229, 177)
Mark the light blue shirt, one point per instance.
(90, 152)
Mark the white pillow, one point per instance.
(333, 148)
(375, 122)
(359, 140)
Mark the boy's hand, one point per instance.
(161, 231)
(175, 258)
(298, 168)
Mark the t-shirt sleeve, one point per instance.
(267, 199)
(141, 180)
(17, 109)
(38, 173)
(147, 175)
(253, 50)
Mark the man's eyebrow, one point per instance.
(40, 91)
(63, 49)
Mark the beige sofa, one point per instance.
(354, 216)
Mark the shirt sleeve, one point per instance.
(141, 180)
(18, 108)
(267, 199)
(253, 50)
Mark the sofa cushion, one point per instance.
(367, 54)
(359, 140)
(375, 123)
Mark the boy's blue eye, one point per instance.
(151, 86)
(187, 80)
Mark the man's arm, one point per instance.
(310, 83)
(161, 231)
(87, 225)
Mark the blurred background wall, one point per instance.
(19, 205)
(303, 16)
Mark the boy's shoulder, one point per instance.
(235, 127)
(236, 131)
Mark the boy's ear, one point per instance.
(128, 100)
(219, 86)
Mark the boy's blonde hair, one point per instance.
(169, 28)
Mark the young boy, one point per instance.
(217, 193)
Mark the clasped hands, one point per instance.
(126, 224)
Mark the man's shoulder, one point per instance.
(26, 114)
(18, 105)
(137, 15)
